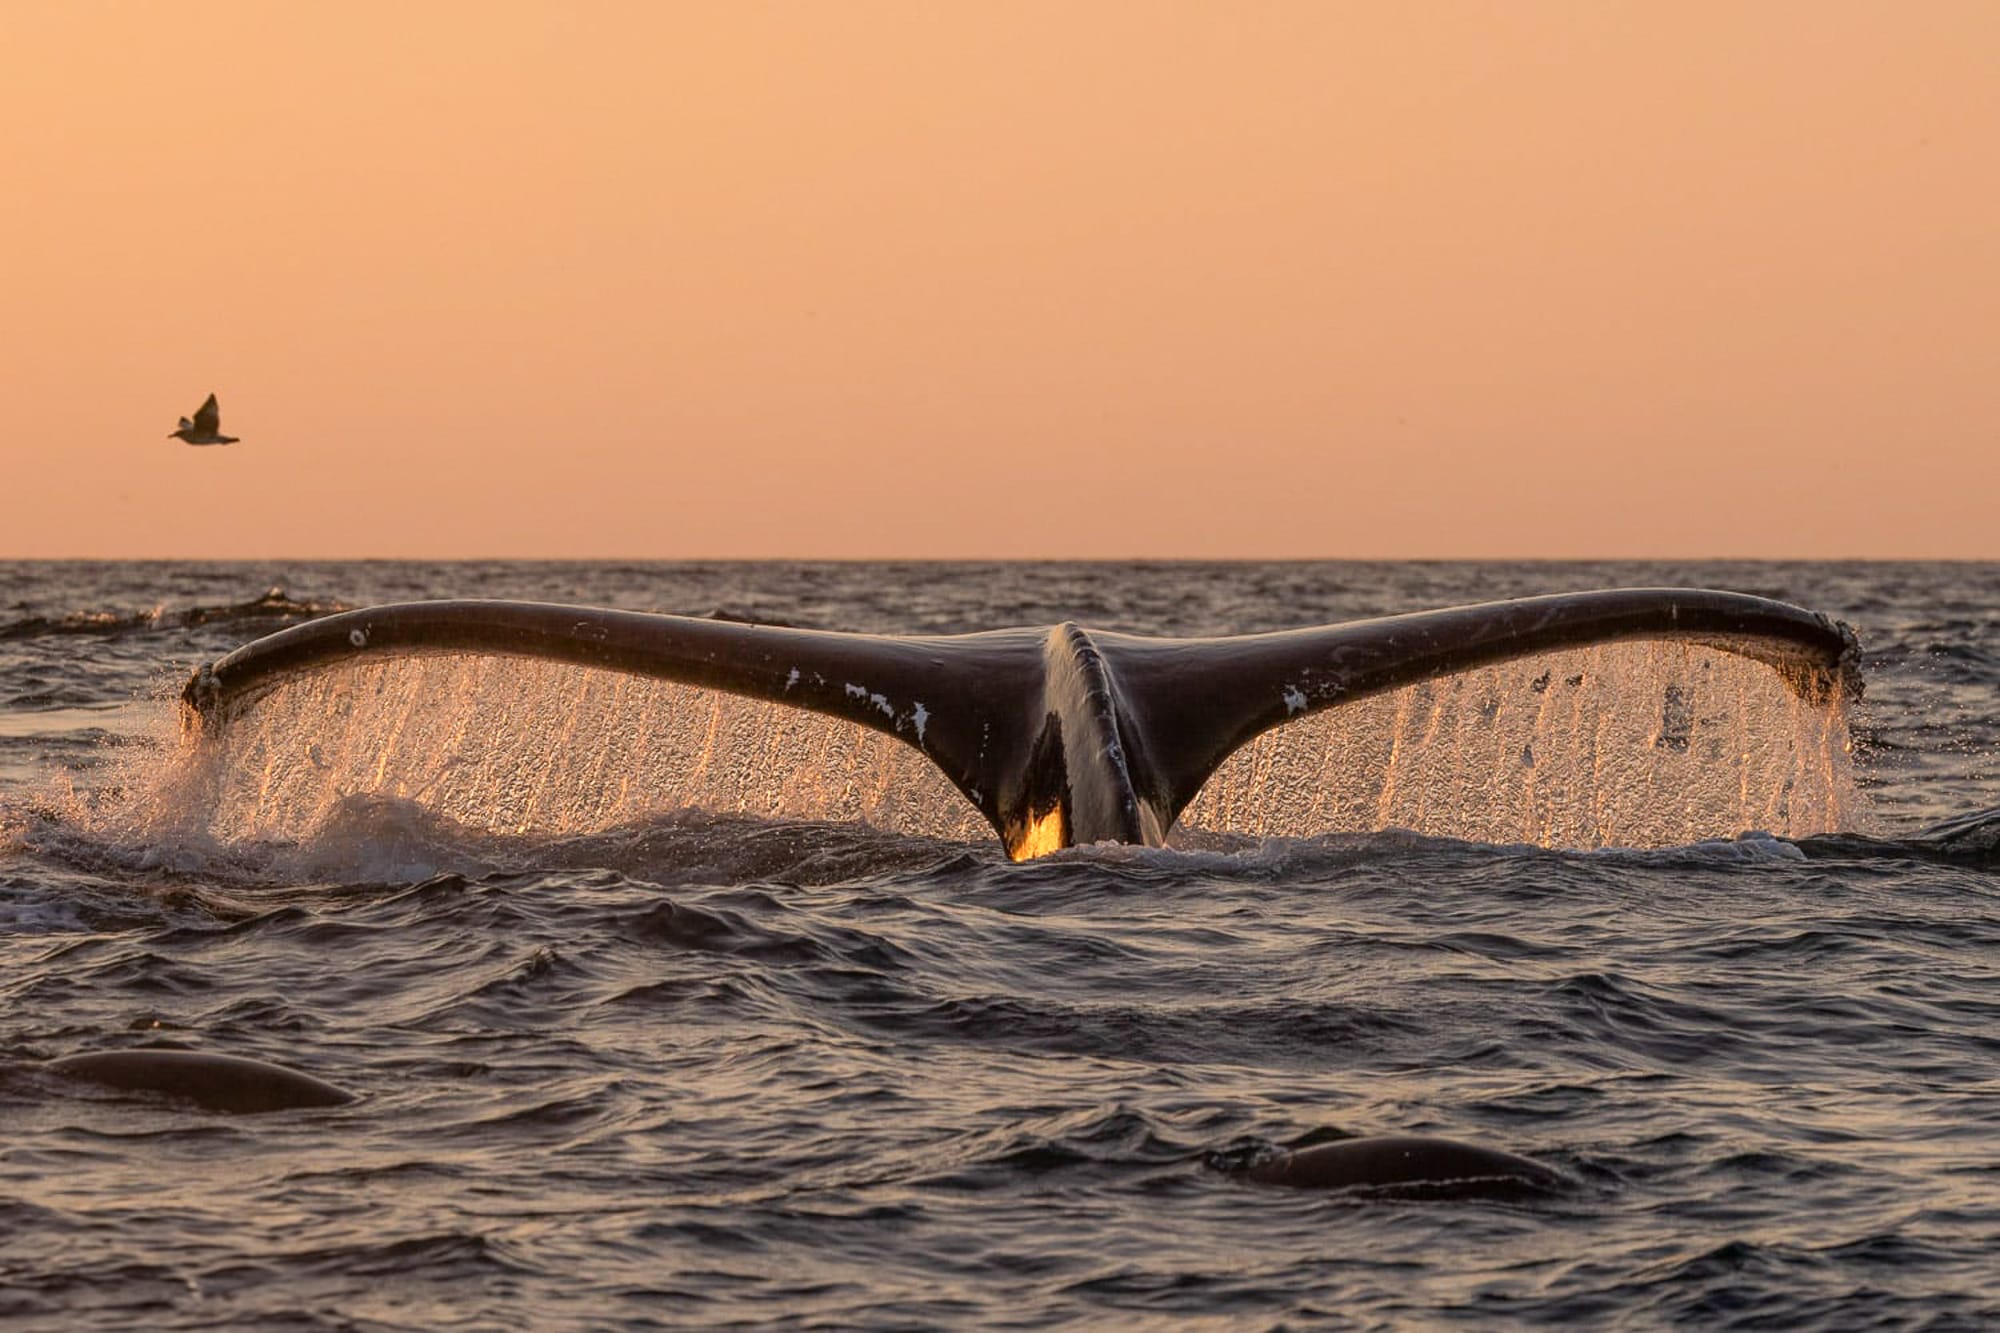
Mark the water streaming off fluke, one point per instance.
(520, 746)
(1639, 743)
(1634, 744)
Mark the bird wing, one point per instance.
(208, 417)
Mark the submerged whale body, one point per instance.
(1058, 736)
(230, 1083)
(1411, 1166)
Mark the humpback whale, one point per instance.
(1065, 735)
(1062, 735)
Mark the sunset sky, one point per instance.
(1005, 279)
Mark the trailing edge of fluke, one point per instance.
(1060, 736)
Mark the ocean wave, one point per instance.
(273, 605)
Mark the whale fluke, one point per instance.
(230, 1083)
(1409, 1165)
(1058, 736)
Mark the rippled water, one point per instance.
(687, 1070)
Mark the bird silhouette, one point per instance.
(206, 428)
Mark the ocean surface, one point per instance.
(684, 1069)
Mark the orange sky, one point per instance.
(955, 279)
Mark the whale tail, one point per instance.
(1056, 736)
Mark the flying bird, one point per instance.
(206, 428)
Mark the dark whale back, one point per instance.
(229, 1083)
(1409, 1165)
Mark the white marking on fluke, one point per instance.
(881, 701)
(1295, 699)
